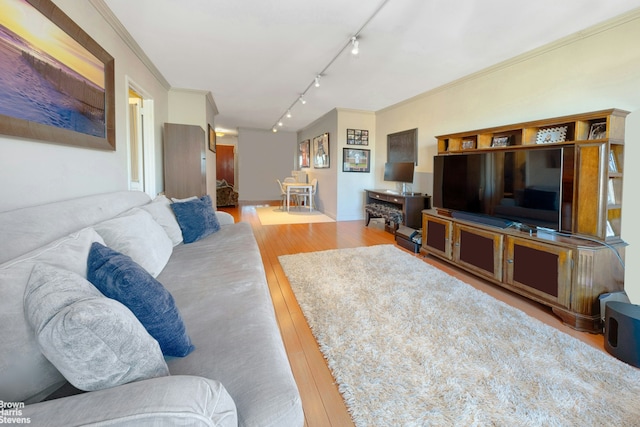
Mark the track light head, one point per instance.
(288, 114)
(317, 83)
(302, 100)
(274, 129)
(355, 49)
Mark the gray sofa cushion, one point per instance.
(94, 341)
(25, 374)
(165, 401)
(221, 279)
(139, 236)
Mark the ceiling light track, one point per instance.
(352, 43)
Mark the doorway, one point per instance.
(140, 141)
(225, 163)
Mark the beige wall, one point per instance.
(33, 172)
(595, 70)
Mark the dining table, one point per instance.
(300, 188)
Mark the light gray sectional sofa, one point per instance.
(238, 373)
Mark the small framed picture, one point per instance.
(500, 141)
(551, 135)
(468, 144)
(613, 164)
(598, 130)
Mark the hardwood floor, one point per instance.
(323, 404)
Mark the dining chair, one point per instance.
(283, 195)
(310, 196)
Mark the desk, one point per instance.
(307, 188)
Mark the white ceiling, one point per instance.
(257, 56)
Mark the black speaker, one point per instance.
(622, 331)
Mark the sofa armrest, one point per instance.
(171, 400)
(224, 218)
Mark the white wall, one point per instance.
(34, 172)
(595, 70)
(264, 156)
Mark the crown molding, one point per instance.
(550, 47)
(122, 32)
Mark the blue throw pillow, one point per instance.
(196, 218)
(118, 277)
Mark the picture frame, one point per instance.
(613, 164)
(598, 130)
(356, 160)
(500, 141)
(403, 146)
(551, 135)
(468, 144)
(321, 158)
(79, 107)
(304, 153)
(357, 137)
(212, 139)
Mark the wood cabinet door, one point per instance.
(436, 236)
(540, 269)
(478, 250)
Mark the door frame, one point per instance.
(148, 137)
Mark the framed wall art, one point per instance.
(212, 139)
(303, 153)
(58, 82)
(356, 160)
(403, 147)
(357, 137)
(321, 151)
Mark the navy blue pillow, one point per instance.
(118, 277)
(196, 218)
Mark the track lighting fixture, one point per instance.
(274, 130)
(352, 42)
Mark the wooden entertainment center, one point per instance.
(567, 271)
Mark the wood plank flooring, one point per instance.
(322, 402)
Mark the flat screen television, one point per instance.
(399, 172)
(533, 187)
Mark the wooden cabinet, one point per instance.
(565, 270)
(411, 205)
(184, 161)
(592, 180)
(565, 273)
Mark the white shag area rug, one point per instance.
(410, 345)
(272, 215)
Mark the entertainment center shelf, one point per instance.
(567, 171)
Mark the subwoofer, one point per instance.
(622, 331)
